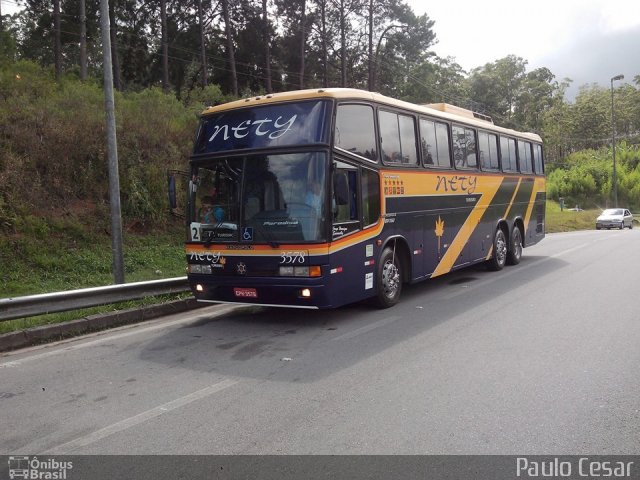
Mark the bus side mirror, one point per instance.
(176, 185)
(173, 203)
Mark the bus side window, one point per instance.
(488, 148)
(508, 154)
(345, 200)
(398, 138)
(355, 131)
(442, 137)
(370, 197)
(537, 157)
(345, 205)
(524, 155)
(464, 147)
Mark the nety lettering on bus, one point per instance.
(455, 183)
(260, 127)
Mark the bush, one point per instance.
(585, 178)
(53, 147)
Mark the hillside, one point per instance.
(53, 177)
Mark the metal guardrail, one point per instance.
(31, 305)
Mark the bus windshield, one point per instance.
(270, 199)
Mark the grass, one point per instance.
(567, 221)
(54, 255)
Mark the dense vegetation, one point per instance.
(585, 178)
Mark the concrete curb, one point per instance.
(92, 323)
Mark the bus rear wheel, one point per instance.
(389, 279)
(499, 254)
(514, 253)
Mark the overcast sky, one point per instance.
(589, 41)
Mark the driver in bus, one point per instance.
(209, 212)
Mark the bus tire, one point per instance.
(499, 253)
(514, 252)
(389, 279)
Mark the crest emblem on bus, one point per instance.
(241, 268)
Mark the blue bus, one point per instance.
(320, 198)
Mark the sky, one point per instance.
(588, 41)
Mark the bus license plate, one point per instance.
(245, 292)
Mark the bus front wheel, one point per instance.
(499, 254)
(389, 279)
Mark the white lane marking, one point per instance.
(138, 419)
(105, 336)
(367, 328)
(569, 250)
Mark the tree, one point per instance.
(83, 40)
(436, 80)
(57, 45)
(556, 124)
(115, 57)
(497, 85)
(535, 98)
(266, 38)
(403, 42)
(50, 39)
(165, 46)
(230, 47)
(203, 47)
(591, 120)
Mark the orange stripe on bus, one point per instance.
(453, 252)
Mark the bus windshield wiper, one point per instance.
(267, 236)
(209, 240)
(211, 231)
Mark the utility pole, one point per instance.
(613, 142)
(112, 148)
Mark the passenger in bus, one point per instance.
(428, 158)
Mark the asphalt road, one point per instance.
(540, 358)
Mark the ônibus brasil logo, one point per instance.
(33, 468)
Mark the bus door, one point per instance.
(418, 257)
(351, 261)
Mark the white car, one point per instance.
(615, 218)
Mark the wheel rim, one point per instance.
(501, 248)
(517, 243)
(390, 279)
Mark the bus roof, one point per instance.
(440, 110)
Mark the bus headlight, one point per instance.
(196, 268)
(286, 271)
(312, 271)
(300, 271)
